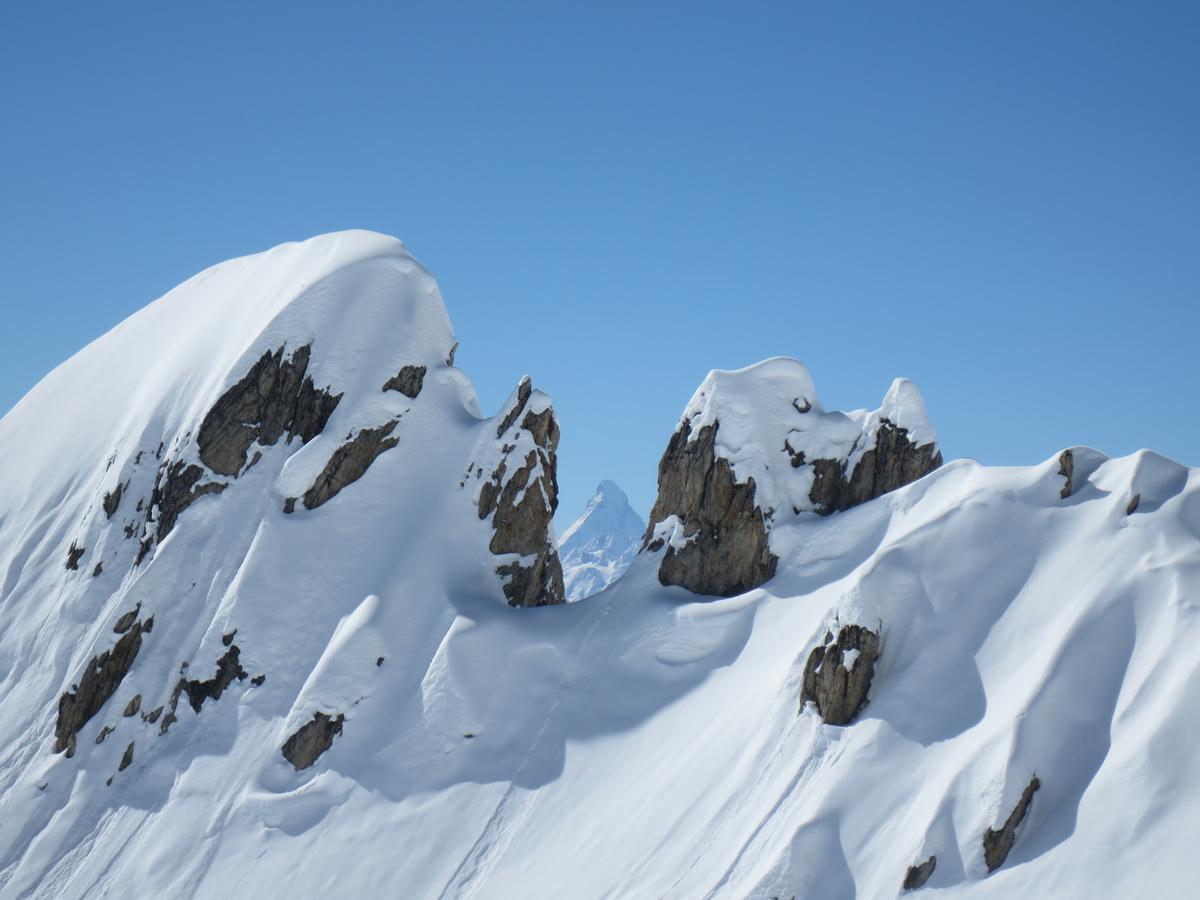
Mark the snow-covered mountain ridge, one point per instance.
(266, 578)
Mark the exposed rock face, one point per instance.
(349, 463)
(126, 758)
(893, 462)
(727, 551)
(919, 874)
(1066, 468)
(74, 554)
(126, 620)
(522, 504)
(1133, 504)
(99, 682)
(275, 397)
(838, 674)
(175, 489)
(753, 447)
(132, 707)
(408, 381)
(112, 500)
(229, 667)
(997, 844)
(314, 738)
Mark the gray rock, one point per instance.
(349, 463)
(1134, 502)
(894, 461)
(314, 738)
(522, 507)
(919, 874)
(840, 693)
(127, 758)
(408, 381)
(229, 668)
(998, 843)
(176, 487)
(728, 550)
(1066, 468)
(274, 398)
(99, 682)
(74, 554)
(126, 620)
(132, 707)
(112, 500)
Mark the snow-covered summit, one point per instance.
(598, 546)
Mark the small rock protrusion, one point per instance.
(1133, 504)
(97, 570)
(379, 662)
(112, 499)
(152, 716)
(74, 554)
(919, 874)
(125, 622)
(408, 381)
(837, 676)
(312, 739)
(289, 505)
(998, 843)
(1066, 468)
(127, 758)
(227, 639)
(450, 355)
(132, 707)
(258, 680)
(104, 732)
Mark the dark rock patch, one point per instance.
(229, 668)
(176, 488)
(313, 739)
(125, 622)
(127, 758)
(274, 398)
(132, 707)
(227, 639)
(408, 381)
(997, 844)
(522, 507)
(893, 462)
(1133, 504)
(379, 662)
(258, 680)
(97, 570)
(919, 874)
(104, 732)
(450, 355)
(112, 500)
(152, 716)
(349, 463)
(74, 554)
(840, 692)
(100, 681)
(1066, 468)
(727, 551)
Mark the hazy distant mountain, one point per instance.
(601, 543)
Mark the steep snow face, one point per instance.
(639, 743)
(600, 545)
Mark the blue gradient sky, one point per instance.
(999, 200)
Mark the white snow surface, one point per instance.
(642, 743)
(600, 545)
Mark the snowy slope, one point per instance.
(642, 743)
(601, 544)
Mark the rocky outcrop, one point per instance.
(1134, 502)
(727, 551)
(312, 739)
(276, 397)
(112, 500)
(919, 874)
(126, 758)
(837, 676)
(74, 554)
(998, 843)
(754, 447)
(229, 668)
(100, 680)
(348, 463)
(520, 496)
(1066, 468)
(176, 487)
(894, 461)
(408, 381)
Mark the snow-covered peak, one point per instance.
(598, 546)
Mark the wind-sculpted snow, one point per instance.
(402, 731)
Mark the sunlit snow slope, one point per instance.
(645, 742)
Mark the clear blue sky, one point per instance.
(999, 200)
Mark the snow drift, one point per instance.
(356, 709)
